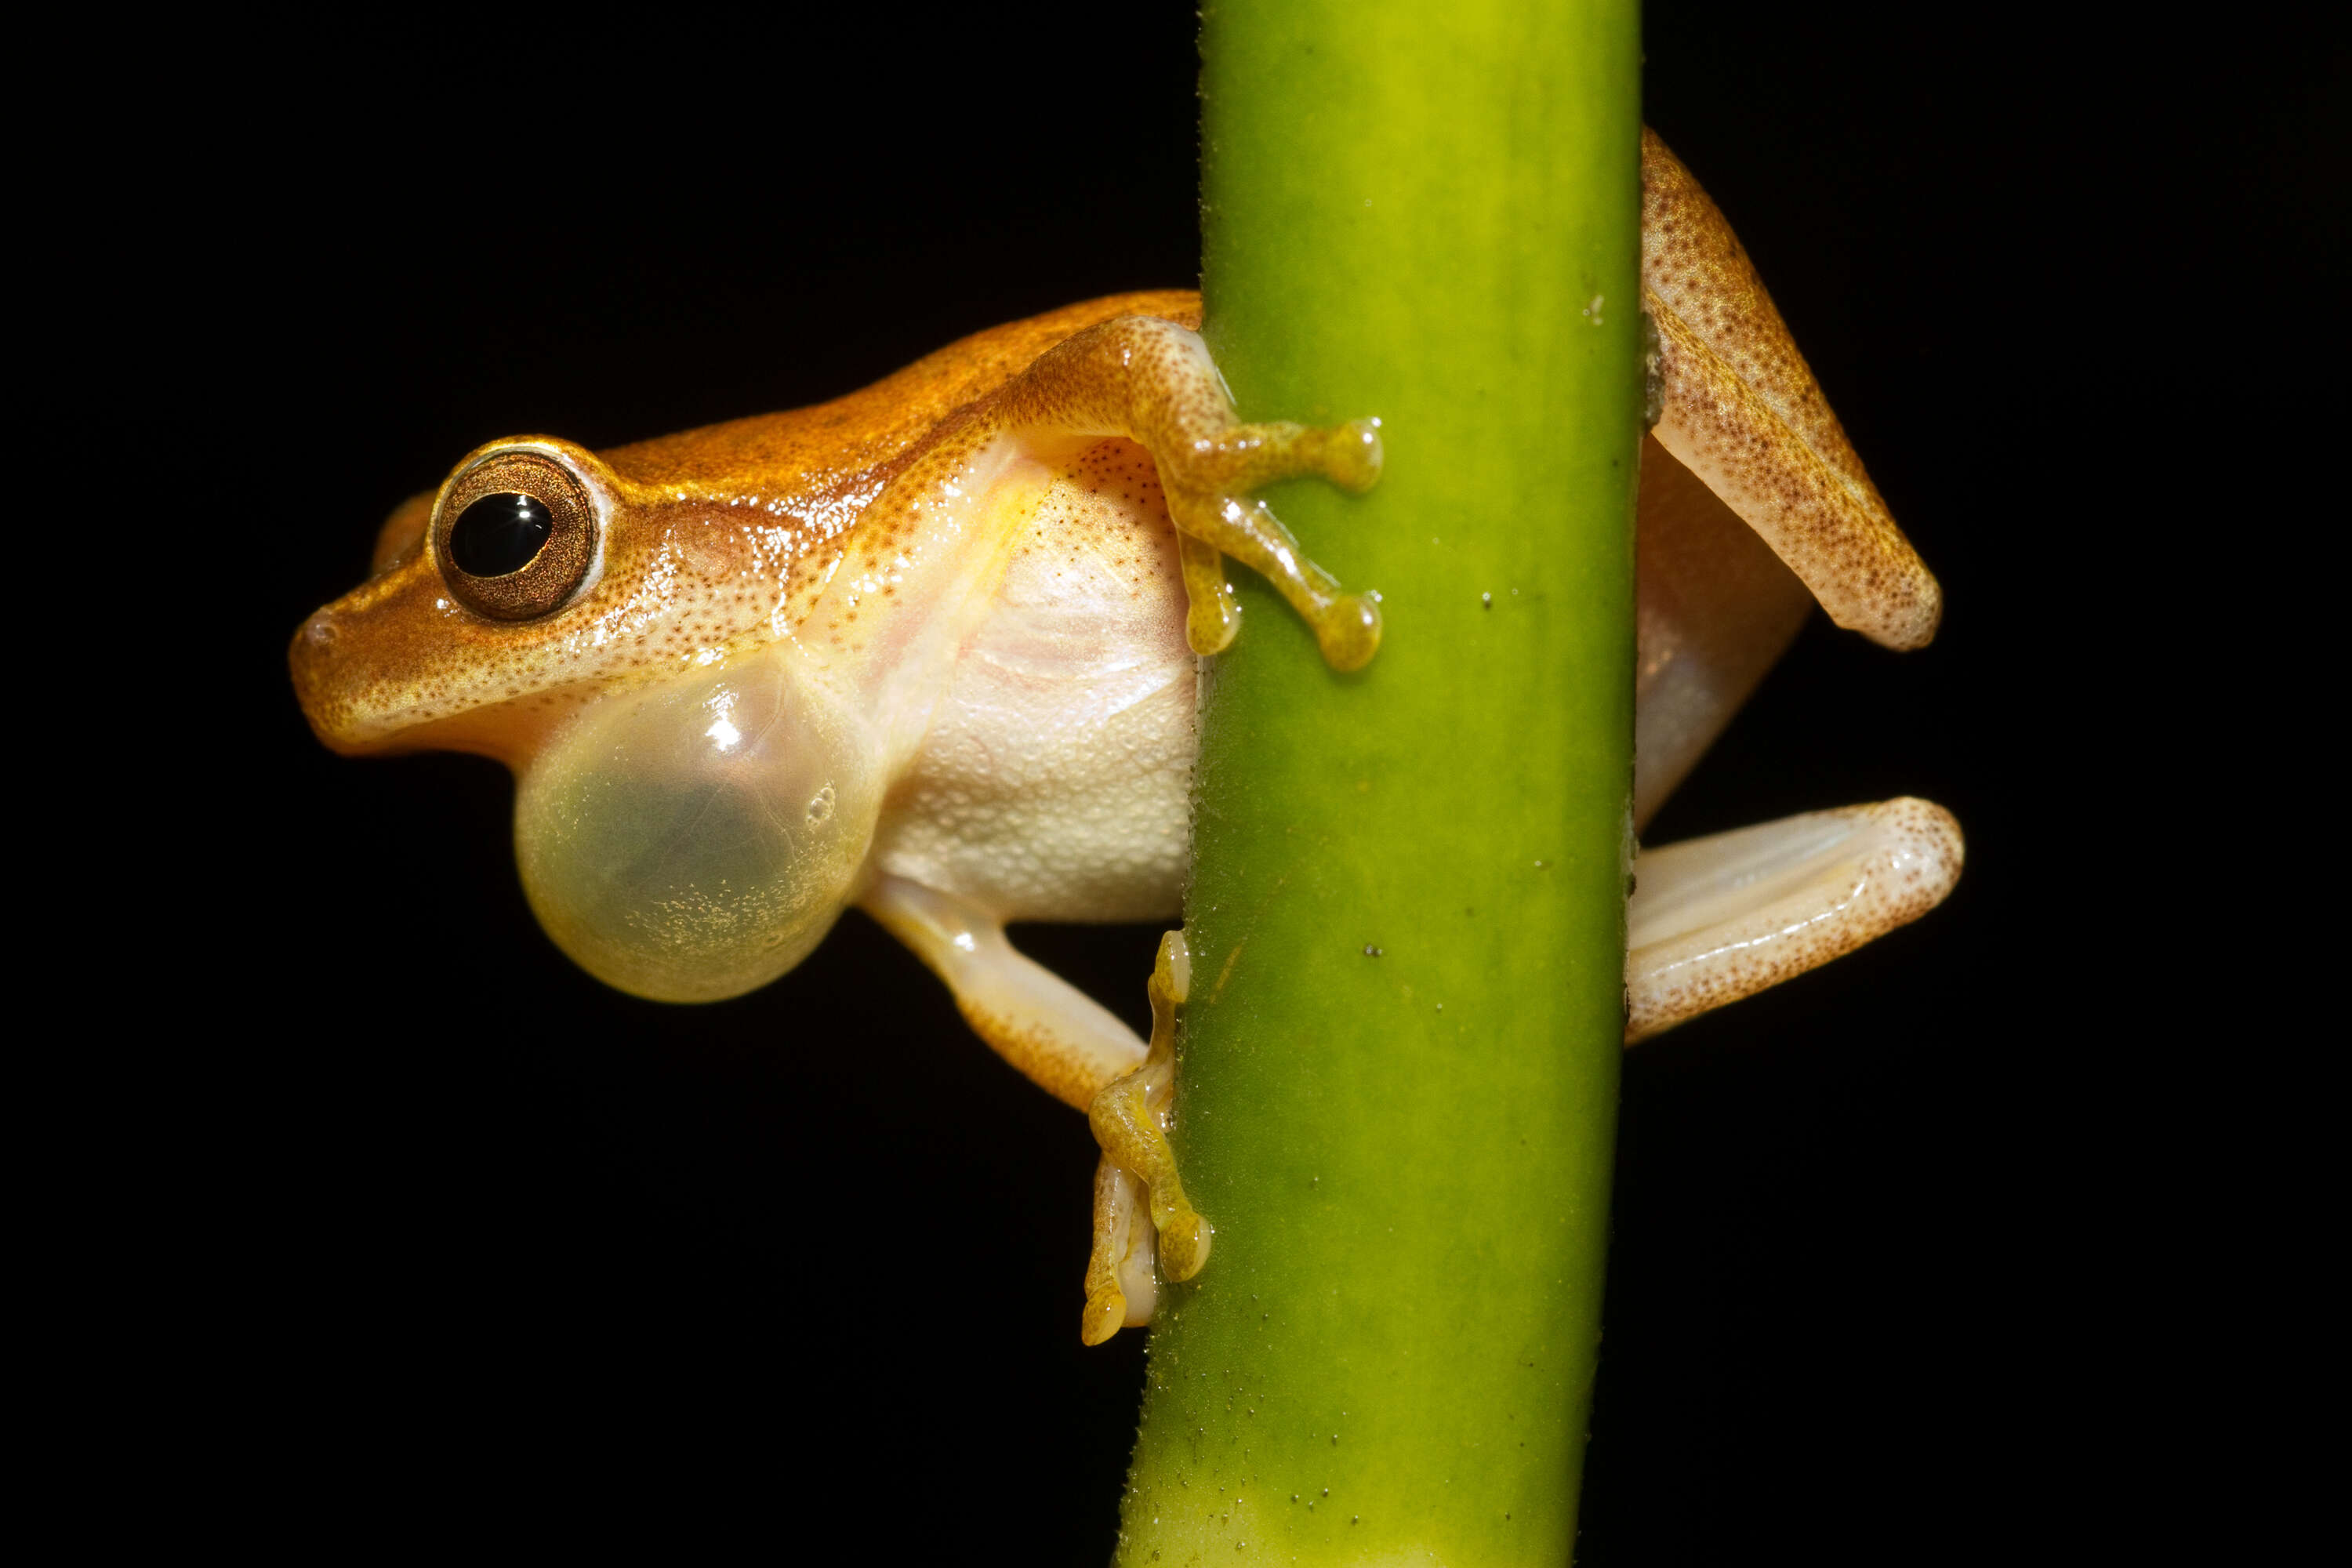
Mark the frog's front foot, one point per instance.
(1152, 382)
(1138, 1174)
(1208, 484)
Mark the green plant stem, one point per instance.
(1399, 1059)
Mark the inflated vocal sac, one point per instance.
(692, 841)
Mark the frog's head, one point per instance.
(694, 799)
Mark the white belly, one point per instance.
(1055, 779)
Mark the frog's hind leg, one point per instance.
(1745, 437)
(1740, 409)
(1152, 382)
(1715, 609)
(1717, 918)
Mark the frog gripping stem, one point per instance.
(1138, 1172)
(1213, 616)
(1152, 382)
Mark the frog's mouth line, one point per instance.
(379, 704)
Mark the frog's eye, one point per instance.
(514, 535)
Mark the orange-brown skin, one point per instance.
(734, 532)
(1742, 391)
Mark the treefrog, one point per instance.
(931, 649)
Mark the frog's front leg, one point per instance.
(1071, 1046)
(1138, 1172)
(1060, 1038)
(1152, 382)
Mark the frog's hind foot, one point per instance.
(1138, 1174)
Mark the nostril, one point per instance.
(312, 653)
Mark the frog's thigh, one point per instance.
(1062, 1040)
(1714, 920)
(1152, 382)
(1742, 411)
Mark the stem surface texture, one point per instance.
(1399, 1063)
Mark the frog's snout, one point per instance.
(311, 658)
(355, 705)
(372, 668)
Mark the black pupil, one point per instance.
(499, 534)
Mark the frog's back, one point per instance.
(869, 432)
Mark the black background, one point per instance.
(435, 1238)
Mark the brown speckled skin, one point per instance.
(1738, 390)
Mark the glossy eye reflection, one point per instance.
(500, 534)
(515, 534)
